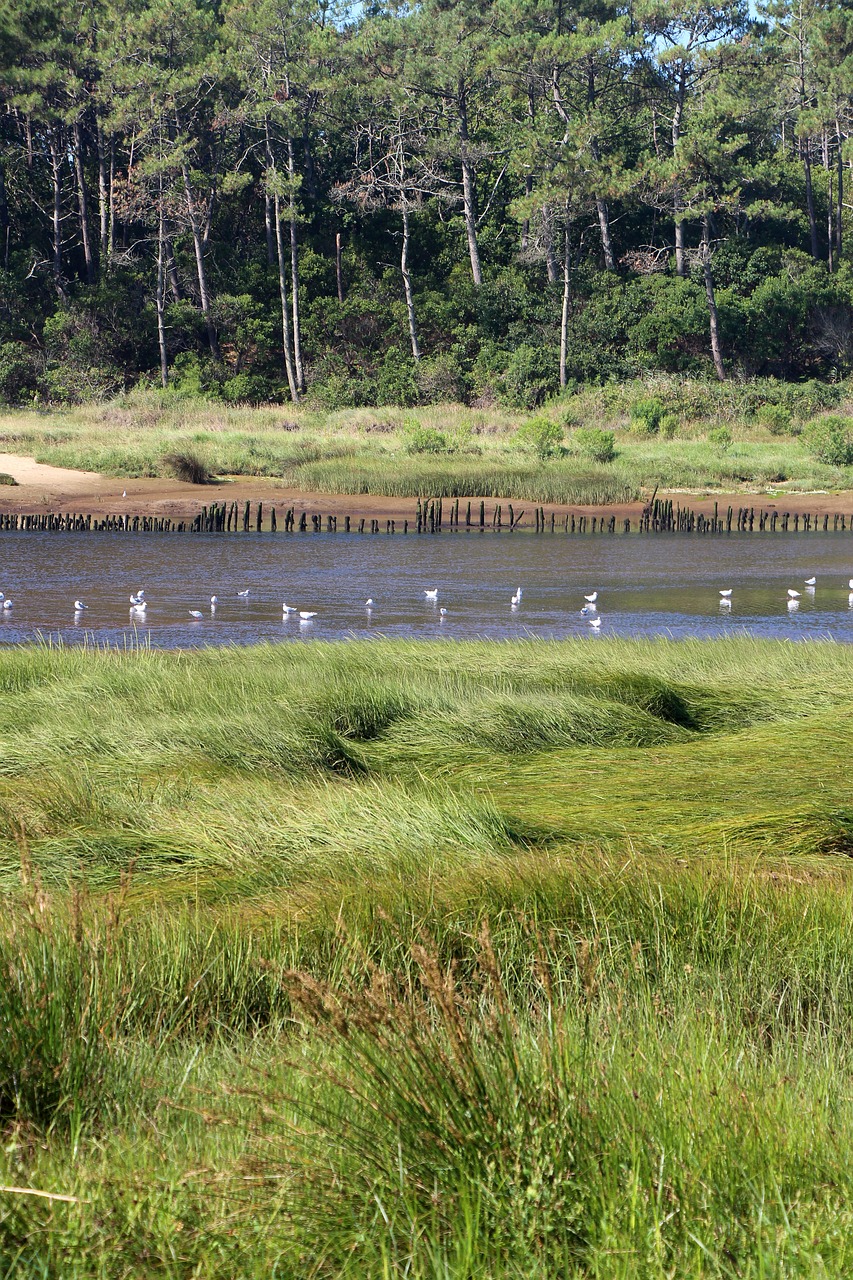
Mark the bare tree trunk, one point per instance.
(204, 296)
(680, 255)
(161, 287)
(548, 245)
(5, 227)
(469, 191)
(103, 194)
(807, 167)
(339, 265)
(285, 313)
(172, 271)
(567, 298)
(525, 225)
(606, 239)
(716, 350)
(269, 230)
(83, 203)
(294, 271)
(839, 198)
(112, 214)
(56, 179)
(407, 286)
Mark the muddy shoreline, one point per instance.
(42, 489)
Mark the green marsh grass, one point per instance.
(366, 451)
(373, 960)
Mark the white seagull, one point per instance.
(726, 594)
(305, 615)
(516, 599)
(196, 613)
(79, 605)
(595, 623)
(7, 604)
(2, 596)
(810, 582)
(792, 594)
(591, 599)
(124, 493)
(288, 608)
(136, 601)
(431, 595)
(243, 594)
(141, 607)
(368, 604)
(214, 600)
(443, 612)
(850, 585)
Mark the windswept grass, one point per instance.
(373, 960)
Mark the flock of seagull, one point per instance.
(589, 609)
(793, 595)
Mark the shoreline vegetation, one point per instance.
(375, 959)
(598, 447)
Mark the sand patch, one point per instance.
(28, 471)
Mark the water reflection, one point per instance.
(221, 589)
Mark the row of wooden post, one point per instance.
(660, 516)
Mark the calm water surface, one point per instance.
(649, 586)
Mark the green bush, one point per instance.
(668, 426)
(595, 443)
(5, 478)
(529, 378)
(18, 373)
(721, 437)
(776, 418)
(425, 440)
(830, 440)
(540, 436)
(646, 415)
(395, 379)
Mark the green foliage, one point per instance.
(776, 418)
(425, 440)
(540, 436)
(5, 478)
(396, 381)
(188, 467)
(721, 438)
(647, 415)
(595, 443)
(830, 440)
(19, 373)
(528, 378)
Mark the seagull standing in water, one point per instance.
(196, 613)
(442, 614)
(591, 599)
(287, 609)
(79, 606)
(368, 604)
(305, 615)
(431, 595)
(7, 604)
(595, 623)
(792, 594)
(244, 595)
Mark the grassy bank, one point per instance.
(456, 450)
(368, 960)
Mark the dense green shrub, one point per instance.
(721, 437)
(529, 378)
(19, 373)
(425, 440)
(830, 440)
(540, 436)
(595, 443)
(776, 418)
(646, 415)
(395, 379)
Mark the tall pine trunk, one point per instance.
(161, 285)
(713, 321)
(285, 310)
(407, 286)
(83, 203)
(56, 219)
(469, 187)
(294, 271)
(103, 195)
(805, 152)
(204, 296)
(567, 299)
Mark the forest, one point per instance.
(480, 201)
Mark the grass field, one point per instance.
(389, 452)
(385, 959)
